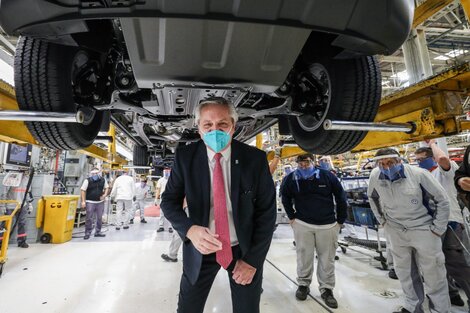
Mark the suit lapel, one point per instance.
(201, 170)
(235, 178)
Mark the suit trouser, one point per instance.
(94, 211)
(414, 250)
(139, 204)
(123, 212)
(325, 241)
(456, 266)
(245, 299)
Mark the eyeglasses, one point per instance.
(386, 163)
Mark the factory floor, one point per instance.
(124, 272)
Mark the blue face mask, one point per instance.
(95, 177)
(166, 174)
(217, 140)
(325, 165)
(306, 173)
(392, 171)
(427, 163)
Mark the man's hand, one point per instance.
(243, 273)
(83, 204)
(204, 240)
(464, 183)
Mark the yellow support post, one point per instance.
(259, 141)
(112, 143)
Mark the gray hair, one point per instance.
(217, 101)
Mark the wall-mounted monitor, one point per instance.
(18, 155)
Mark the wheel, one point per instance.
(347, 90)
(140, 158)
(58, 78)
(46, 238)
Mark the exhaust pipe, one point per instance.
(38, 116)
(369, 126)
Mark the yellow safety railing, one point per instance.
(5, 228)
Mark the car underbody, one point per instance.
(145, 65)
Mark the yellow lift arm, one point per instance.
(433, 105)
(17, 132)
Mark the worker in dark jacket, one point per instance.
(309, 195)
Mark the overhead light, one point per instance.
(442, 57)
(403, 75)
(451, 54)
(140, 167)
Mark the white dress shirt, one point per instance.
(225, 164)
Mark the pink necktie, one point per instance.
(224, 256)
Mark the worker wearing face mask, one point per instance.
(161, 185)
(433, 159)
(414, 209)
(93, 192)
(141, 192)
(309, 195)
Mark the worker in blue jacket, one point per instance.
(316, 204)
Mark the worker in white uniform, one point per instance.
(175, 243)
(124, 193)
(414, 209)
(161, 184)
(141, 192)
(433, 159)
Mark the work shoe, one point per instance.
(327, 296)
(118, 228)
(170, 230)
(402, 310)
(142, 220)
(457, 300)
(159, 230)
(100, 235)
(131, 221)
(23, 244)
(126, 227)
(392, 274)
(86, 237)
(302, 292)
(167, 258)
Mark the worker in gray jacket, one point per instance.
(414, 209)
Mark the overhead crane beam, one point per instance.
(428, 9)
(17, 132)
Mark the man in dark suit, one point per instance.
(231, 206)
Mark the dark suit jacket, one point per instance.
(252, 194)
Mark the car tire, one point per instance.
(354, 95)
(43, 82)
(140, 158)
